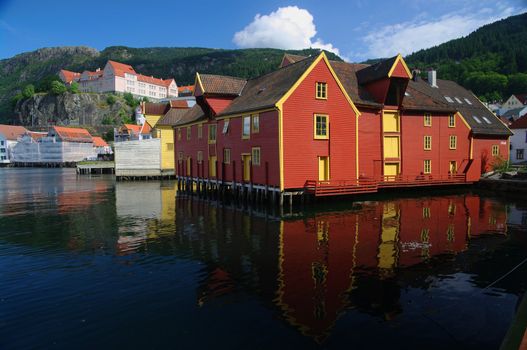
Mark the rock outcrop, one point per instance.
(71, 109)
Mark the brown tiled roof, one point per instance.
(421, 96)
(222, 84)
(376, 71)
(266, 90)
(291, 59)
(12, 132)
(173, 116)
(520, 123)
(191, 115)
(151, 108)
(347, 74)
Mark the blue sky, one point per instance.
(355, 29)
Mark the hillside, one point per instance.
(41, 66)
(491, 61)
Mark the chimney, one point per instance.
(416, 74)
(98, 70)
(432, 78)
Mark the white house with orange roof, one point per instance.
(119, 77)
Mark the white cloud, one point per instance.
(420, 33)
(286, 28)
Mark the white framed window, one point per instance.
(246, 127)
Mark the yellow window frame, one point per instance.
(325, 119)
(227, 155)
(427, 166)
(495, 150)
(427, 119)
(212, 127)
(200, 131)
(427, 143)
(321, 89)
(452, 121)
(179, 134)
(189, 132)
(256, 160)
(452, 142)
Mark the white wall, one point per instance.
(518, 141)
(138, 158)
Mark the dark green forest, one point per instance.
(492, 61)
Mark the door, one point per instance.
(323, 168)
(390, 121)
(391, 170)
(391, 146)
(189, 166)
(453, 167)
(246, 159)
(212, 166)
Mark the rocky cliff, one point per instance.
(72, 109)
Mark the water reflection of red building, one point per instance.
(321, 256)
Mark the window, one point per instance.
(321, 126)
(227, 155)
(428, 119)
(170, 146)
(427, 166)
(246, 125)
(453, 142)
(2, 143)
(212, 133)
(200, 131)
(200, 157)
(476, 119)
(189, 132)
(428, 143)
(225, 126)
(322, 90)
(2, 150)
(256, 124)
(426, 212)
(449, 99)
(180, 156)
(458, 100)
(519, 153)
(451, 208)
(487, 120)
(451, 121)
(255, 155)
(495, 150)
(467, 101)
(179, 134)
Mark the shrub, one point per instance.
(110, 99)
(500, 164)
(130, 100)
(74, 88)
(28, 91)
(57, 87)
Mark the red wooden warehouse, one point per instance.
(331, 127)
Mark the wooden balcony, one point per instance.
(349, 187)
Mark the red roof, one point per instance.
(178, 104)
(36, 135)
(152, 80)
(139, 129)
(72, 134)
(12, 132)
(99, 142)
(186, 88)
(69, 76)
(520, 123)
(121, 68)
(522, 98)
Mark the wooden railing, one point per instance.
(420, 180)
(340, 187)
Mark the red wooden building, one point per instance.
(336, 128)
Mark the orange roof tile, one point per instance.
(73, 134)
(121, 68)
(12, 132)
(139, 129)
(99, 142)
(69, 75)
(36, 135)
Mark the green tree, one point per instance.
(130, 100)
(110, 99)
(74, 88)
(28, 91)
(517, 84)
(57, 88)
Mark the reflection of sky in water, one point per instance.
(397, 272)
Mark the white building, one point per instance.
(121, 78)
(513, 102)
(9, 136)
(519, 140)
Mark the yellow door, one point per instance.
(323, 168)
(212, 166)
(390, 122)
(453, 167)
(391, 147)
(390, 228)
(391, 169)
(189, 166)
(246, 167)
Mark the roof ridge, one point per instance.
(281, 68)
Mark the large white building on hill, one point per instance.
(121, 78)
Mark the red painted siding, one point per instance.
(483, 151)
(301, 150)
(379, 89)
(399, 71)
(370, 144)
(218, 104)
(413, 154)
